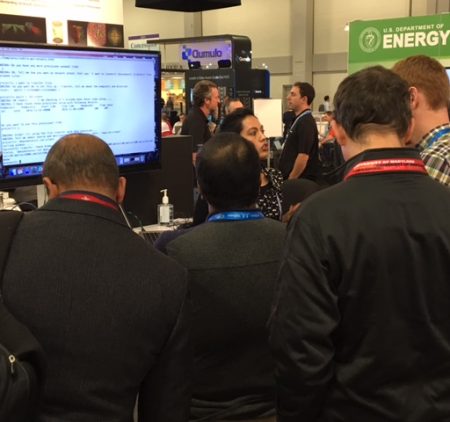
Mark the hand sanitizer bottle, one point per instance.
(165, 210)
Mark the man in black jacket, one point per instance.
(232, 260)
(360, 328)
(205, 102)
(107, 308)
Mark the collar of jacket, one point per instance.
(197, 110)
(84, 207)
(379, 154)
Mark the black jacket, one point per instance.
(232, 269)
(196, 125)
(109, 311)
(361, 325)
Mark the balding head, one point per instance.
(81, 162)
(228, 172)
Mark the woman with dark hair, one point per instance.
(246, 124)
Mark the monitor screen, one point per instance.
(47, 92)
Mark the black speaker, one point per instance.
(187, 5)
(224, 63)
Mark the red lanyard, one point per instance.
(389, 165)
(89, 198)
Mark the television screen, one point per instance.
(47, 92)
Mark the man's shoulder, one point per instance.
(195, 114)
(437, 160)
(372, 192)
(226, 236)
(306, 122)
(139, 253)
(231, 243)
(208, 228)
(309, 121)
(439, 150)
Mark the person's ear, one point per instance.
(340, 133)
(121, 189)
(413, 97)
(52, 188)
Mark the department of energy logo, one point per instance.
(370, 39)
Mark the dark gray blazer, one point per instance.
(232, 270)
(109, 311)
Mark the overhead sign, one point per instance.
(143, 42)
(387, 41)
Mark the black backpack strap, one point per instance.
(9, 220)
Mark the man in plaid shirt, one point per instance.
(430, 93)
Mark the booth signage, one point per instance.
(207, 53)
(143, 42)
(387, 41)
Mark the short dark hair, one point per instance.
(82, 159)
(228, 172)
(326, 98)
(374, 99)
(226, 104)
(306, 90)
(202, 91)
(233, 121)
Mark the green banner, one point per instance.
(386, 41)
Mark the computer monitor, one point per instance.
(49, 91)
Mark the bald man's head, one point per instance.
(82, 162)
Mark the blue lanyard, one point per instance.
(305, 113)
(437, 135)
(291, 129)
(236, 216)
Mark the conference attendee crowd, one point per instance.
(301, 293)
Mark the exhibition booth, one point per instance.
(74, 75)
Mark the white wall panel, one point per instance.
(330, 17)
(276, 85)
(326, 84)
(139, 21)
(265, 22)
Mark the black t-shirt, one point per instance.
(302, 138)
(196, 125)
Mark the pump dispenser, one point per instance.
(165, 210)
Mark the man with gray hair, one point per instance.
(107, 308)
(205, 102)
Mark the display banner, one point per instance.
(141, 42)
(387, 41)
(208, 54)
(94, 23)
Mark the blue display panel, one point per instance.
(47, 92)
